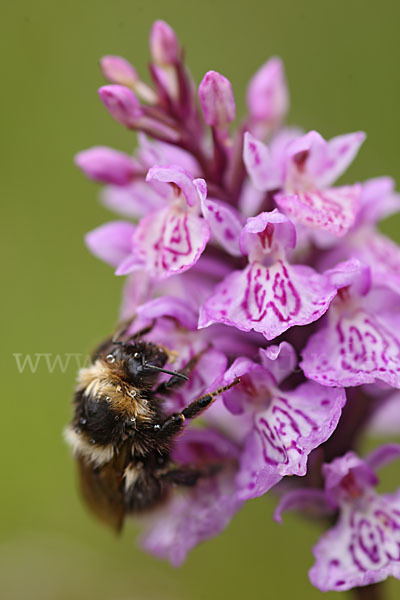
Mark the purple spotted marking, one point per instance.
(255, 154)
(334, 210)
(258, 299)
(284, 421)
(269, 299)
(174, 241)
(357, 348)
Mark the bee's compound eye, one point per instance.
(110, 358)
(136, 355)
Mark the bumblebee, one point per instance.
(120, 434)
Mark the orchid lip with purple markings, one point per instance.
(304, 172)
(358, 345)
(363, 546)
(285, 426)
(269, 298)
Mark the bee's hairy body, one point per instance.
(120, 435)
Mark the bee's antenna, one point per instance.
(175, 373)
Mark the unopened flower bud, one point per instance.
(216, 99)
(106, 165)
(118, 70)
(267, 94)
(122, 104)
(164, 45)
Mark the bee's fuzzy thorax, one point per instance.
(102, 380)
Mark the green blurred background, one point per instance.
(342, 62)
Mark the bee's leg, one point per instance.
(188, 476)
(175, 381)
(173, 424)
(195, 408)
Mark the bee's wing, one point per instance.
(102, 488)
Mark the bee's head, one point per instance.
(141, 361)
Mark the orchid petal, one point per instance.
(329, 163)
(301, 147)
(386, 420)
(311, 500)
(378, 200)
(351, 273)
(268, 166)
(170, 241)
(153, 152)
(129, 264)
(189, 520)
(285, 433)
(280, 360)
(384, 455)
(206, 509)
(269, 300)
(260, 164)
(181, 178)
(137, 289)
(169, 306)
(383, 256)
(225, 224)
(211, 445)
(267, 93)
(346, 478)
(200, 381)
(134, 200)
(111, 242)
(363, 547)
(355, 348)
(333, 210)
(251, 200)
(255, 381)
(267, 233)
(106, 165)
